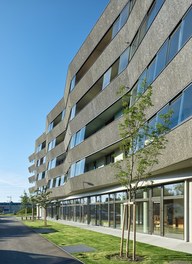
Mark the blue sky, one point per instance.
(39, 38)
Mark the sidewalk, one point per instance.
(164, 242)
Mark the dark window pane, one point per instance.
(142, 83)
(174, 44)
(115, 27)
(134, 45)
(187, 27)
(187, 103)
(153, 12)
(124, 16)
(151, 72)
(161, 59)
(123, 60)
(175, 107)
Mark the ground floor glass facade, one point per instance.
(159, 210)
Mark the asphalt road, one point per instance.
(20, 245)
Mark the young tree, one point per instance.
(33, 203)
(42, 199)
(25, 201)
(142, 143)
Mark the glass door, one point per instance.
(156, 218)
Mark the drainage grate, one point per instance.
(78, 248)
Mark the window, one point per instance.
(121, 20)
(187, 27)
(161, 58)
(50, 127)
(141, 86)
(51, 164)
(77, 138)
(106, 78)
(187, 105)
(72, 142)
(73, 112)
(77, 168)
(134, 45)
(174, 44)
(80, 136)
(72, 85)
(153, 12)
(160, 114)
(151, 73)
(175, 107)
(123, 61)
(51, 144)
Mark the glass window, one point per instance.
(133, 95)
(73, 112)
(187, 104)
(175, 107)
(161, 58)
(161, 121)
(174, 218)
(152, 125)
(142, 84)
(124, 15)
(151, 72)
(134, 45)
(72, 142)
(187, 27)
(114, 70)
(104, 198)
(153, 11)
(156, 191)
(72, 170)
(79, 169)
(174, 43)
(106, 78)
(115, 27)
(72, 86)
(143, 30)
(174, 189)
(123, 60)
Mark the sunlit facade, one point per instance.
(132, 41)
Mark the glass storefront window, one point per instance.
(105, 198)
(174, 218)
(92, 199)
(156, 191)
(174, 189)
(120, 196)
(142, 193)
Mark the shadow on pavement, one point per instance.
(16, 257)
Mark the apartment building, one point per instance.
(132, 41)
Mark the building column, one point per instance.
(189, 222)
(145, 213)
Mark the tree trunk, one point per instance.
(32, 212)
(134, 231)
(45, 217)
(25, 211)
(123, 230)
(128, 230)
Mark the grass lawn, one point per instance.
(105, 245)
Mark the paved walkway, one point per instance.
(168, 243)
(21, 245)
